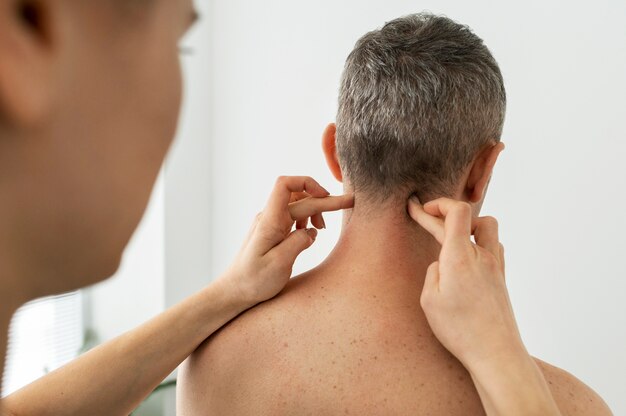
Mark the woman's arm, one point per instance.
(513, 384)
(115, 377)
(468, 308)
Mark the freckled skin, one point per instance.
(319, 349)
(348, 337)
(326, 346)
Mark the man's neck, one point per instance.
(382, 253)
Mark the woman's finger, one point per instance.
(318, 221)
(433, 225)
(280, 197)
(297, 196)
(457, 219)
(295, 243)
(485, 230)
(310, 207)
(302, 223)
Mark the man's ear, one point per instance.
(329, 145)
(26, 60)
(480, 173)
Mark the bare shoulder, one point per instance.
(234, 360)
(246, 335)
(212, 379)
(573, 397)
(231, 347)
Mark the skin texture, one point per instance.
(89, 98)
(352, 337)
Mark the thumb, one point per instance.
(295, 243)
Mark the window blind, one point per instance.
(44, 334)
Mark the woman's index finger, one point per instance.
(432, 224)
(282, 192)
(457, 218)
(311, 206)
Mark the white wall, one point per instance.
(558, 187)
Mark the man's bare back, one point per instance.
(343, 340)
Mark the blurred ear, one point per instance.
(329, 145)
(26, 59)
(480, 173)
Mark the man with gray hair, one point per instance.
(421, 109)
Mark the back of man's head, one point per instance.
(418, 100)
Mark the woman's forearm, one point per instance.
(513, 385)
(115, 377)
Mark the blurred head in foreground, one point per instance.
(89, 99)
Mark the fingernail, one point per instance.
(312, 232)
(415, 199)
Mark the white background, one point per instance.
(262, 85)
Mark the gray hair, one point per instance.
(419, 98)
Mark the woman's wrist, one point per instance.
(232, 296)
(498, 353)
(511, 383)
(207, 310)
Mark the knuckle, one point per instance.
(459, 262)
(270, 232)
(281, 180)
(491, 220)
(436, 201)
(303, 235)
(278, 264)
(463, 207)
(492, 264)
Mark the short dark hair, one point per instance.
(418, 99)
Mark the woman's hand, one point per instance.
(129, 367)
(465, 297)
(468, 308)
(264, 264)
